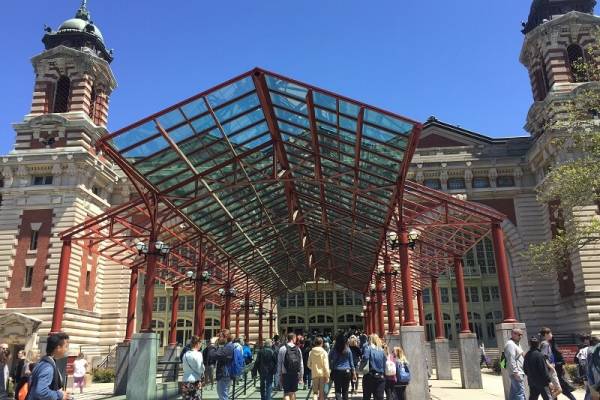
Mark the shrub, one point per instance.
(104, 375)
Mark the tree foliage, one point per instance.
(574, 179)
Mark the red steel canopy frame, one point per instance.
(267, 178)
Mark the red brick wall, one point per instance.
(17, 297)
(85, 300)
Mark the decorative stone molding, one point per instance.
(7, 175)
(493, 175)
(518, 175)
(23, 176)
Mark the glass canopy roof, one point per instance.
(290, 182)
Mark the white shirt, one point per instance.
(79, 369)
(193, 367)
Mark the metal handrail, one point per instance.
(112, 350)
(168, 371)
(238, 390)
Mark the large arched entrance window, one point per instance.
(323, 324)
(349, 321)
(184, 331)
(211, 327)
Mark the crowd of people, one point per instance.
(543, 367)
(313, 362)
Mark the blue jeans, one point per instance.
(517, 389)
(307, 377)
(223, 388)
(266, 387)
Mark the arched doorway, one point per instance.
(323, 324)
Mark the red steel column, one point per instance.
(260, 324)
(131, 304)
(61, 286)
(227, 308)
(462, 298)
(202, 321)
(421, 308)
(437, 308)
(271, 321)
(223, 317)
(389, 286)
(247, 316)
(237, 324)
(400, 316)
(373, 315)
(508, 308)
(406, 277)
(148, 301)
(198, 309)
(380, 317)
(174, 309)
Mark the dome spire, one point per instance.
(83, 12)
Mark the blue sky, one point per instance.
(457, 60)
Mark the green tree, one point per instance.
(573, 182)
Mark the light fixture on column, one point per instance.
(204, 276)
(230, 292)
(393, 272)
(392, 238)
(160, 249)
(413, 236)
(374, 290)
(259, 312)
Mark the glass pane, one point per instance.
(230, 92)
(387, 121)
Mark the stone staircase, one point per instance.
(492, 353)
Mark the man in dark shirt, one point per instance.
(224, 358)
(536, 369)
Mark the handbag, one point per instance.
(403, 373)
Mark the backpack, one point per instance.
(502, 361)
(403, 376)
(390, 370)
(267, 362)
(236, 368)
(185, 349)
(292, 360)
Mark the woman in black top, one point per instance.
(305, 351)
(559, 362)
(341, 364)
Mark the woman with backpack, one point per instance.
(402, 373)
(373, 380)
(193, 370)
(318, 363)
(342, 366)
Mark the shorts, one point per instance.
(290, 383)
(79, 380)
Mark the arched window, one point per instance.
(159, 328)
(576, 57)
(62, 94)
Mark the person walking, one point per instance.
(19, 373)
(341, 362)
(46, 381)
(513, 353)
(290, 368)
(373, 381)
(4, 374)
(536, 369)
(593, 367)
(307, 372)
(559, 362)
(79, 370)
(208, 356)
(483, 359)
(402, 373)
(193, 371)
(353, 343)
(318, 362)
(224, 358)
(266, 366)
